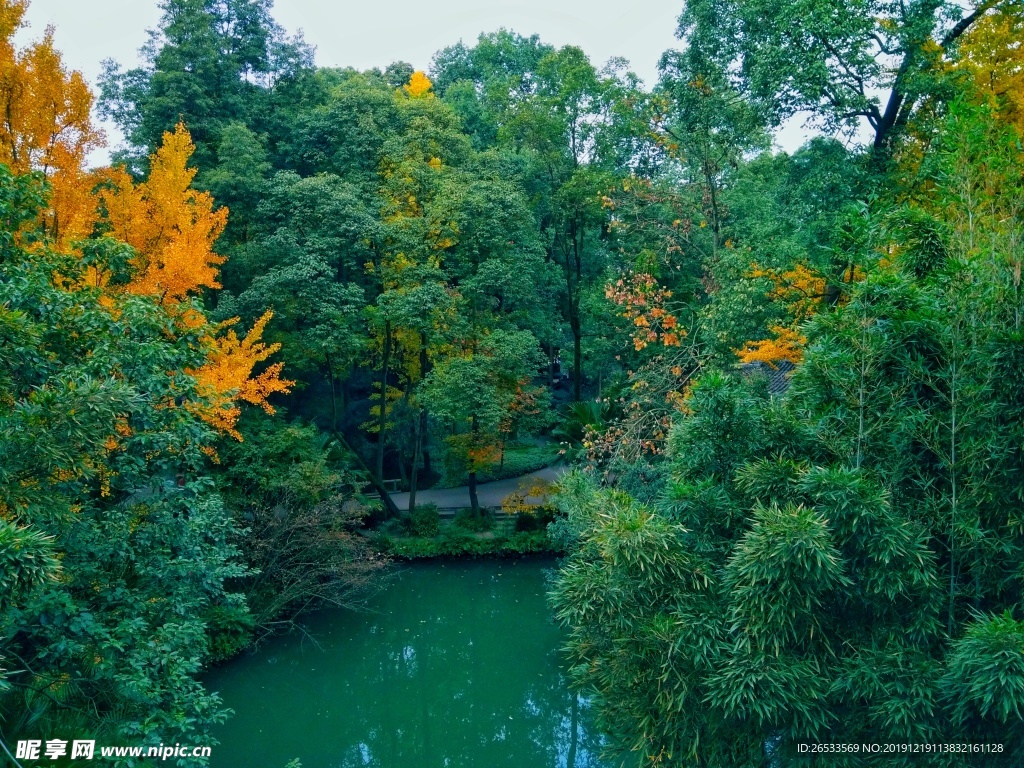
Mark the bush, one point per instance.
(466, 520)
(458, 542)
(229, 628)
(527, 542)
(536, 520)
(425, 521)
(302, 558)
(396, 526)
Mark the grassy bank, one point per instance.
(423, 534)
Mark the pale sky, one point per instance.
(374, 34)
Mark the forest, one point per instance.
(787, 388)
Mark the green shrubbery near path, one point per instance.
(423, 535)
(459, 543)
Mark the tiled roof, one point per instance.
(778, 377)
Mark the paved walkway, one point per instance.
(489, 494)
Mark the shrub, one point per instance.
(458, 542)
(229, 629)
(466, 520)
(518, 460)
(535, 520)
(527, 542)
(425, 521)
(396, 526)
(301, 558)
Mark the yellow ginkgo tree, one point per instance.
(173, 229)
(45, 128)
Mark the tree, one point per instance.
(46, 126)
(120, 547)
(483, 82)
(989, 51)
(831, 60)
(475, 390)
(845, 552)
(209, 64)
(173, 229)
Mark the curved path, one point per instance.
(489, 494)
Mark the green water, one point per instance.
(456, 664)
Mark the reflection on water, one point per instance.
(457, 664)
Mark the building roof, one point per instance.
(778, 377)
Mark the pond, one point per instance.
(455, 664)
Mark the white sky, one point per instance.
(376, 33)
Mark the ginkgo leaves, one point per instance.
(172, 226)
(419, 86)
(45, 126)
(993, 54)
(173, 229)
(227, 376)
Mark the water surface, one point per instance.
(456, 664)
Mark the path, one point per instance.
(489, 494)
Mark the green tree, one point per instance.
(839, 557)
(208, 64)
(117, 543)
(831, 59)
(475, 390)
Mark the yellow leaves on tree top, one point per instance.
(787, 344)
(172, 226)
(227, 376)
(45, 126)
(12, 14)
(993, 53)
(419, 86)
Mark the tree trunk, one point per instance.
(426, 447)
(424, 370)
(577, 359)
(576, 321)
(474, 502)
(383, 419)
(390, 508)
(401, 471)
(417, 454)
(573, 274)
(334, 395)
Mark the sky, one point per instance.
(376, 33)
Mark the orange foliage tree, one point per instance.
(227, 376)
(419, 85)
(171, 226)
(643, 303)
(785, 344)
(173, 229)
(804, 292)
(45, 126)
